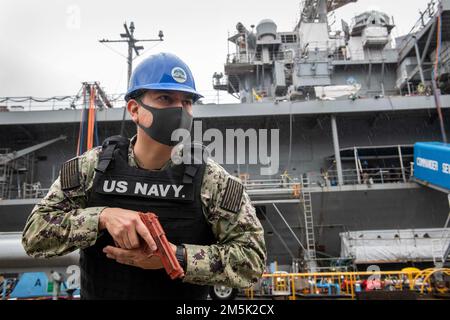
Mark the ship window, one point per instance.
(288, 38)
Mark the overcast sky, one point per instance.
(49, 47)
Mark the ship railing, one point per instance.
(243, 58)
(252, 57)
(21, 104)
(34, 191)
(270, 184)
(329, 178)
(219, 95)
(344, 54)
(220, 81)
(368, 176)
(287, 55)
(291, 184)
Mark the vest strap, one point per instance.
(106, 157)
(189, 174)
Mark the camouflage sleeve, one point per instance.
(239, 256)
(61, 223)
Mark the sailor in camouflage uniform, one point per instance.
(205, 212)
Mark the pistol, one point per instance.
(164, 251)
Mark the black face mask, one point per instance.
(166, 121)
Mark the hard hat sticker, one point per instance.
(179, 75)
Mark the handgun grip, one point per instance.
(164, 251)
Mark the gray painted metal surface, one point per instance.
(388, 104)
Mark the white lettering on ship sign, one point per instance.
(446, 168)
(427, 164)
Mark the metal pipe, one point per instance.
(322, 11)
(289, 227)
(14, 259)
(369, 76)
(356, 165)
(278, 235)
(258, 85)
(401, 163)
(427, 44)
(382, 78)
(419, 60)
(263, 80)
(261, 202)
(448, 218)
(246, 47)
(337, 151)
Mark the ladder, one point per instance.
(309, 221)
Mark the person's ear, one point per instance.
(133, 108)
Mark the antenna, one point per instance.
(129, 38)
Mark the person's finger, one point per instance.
(145, 234)
(117, 237)
(126, 241)
(121, 243)
(133, 239)
(118, 253)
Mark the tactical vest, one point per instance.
(173, 194)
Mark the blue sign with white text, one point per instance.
(432, 163)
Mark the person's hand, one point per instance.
(125, 227)
(136, 257)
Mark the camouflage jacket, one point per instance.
(61, 223)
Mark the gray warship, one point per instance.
(349, 106)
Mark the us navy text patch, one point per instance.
(136, 187)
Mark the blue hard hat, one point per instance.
(162, 71)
